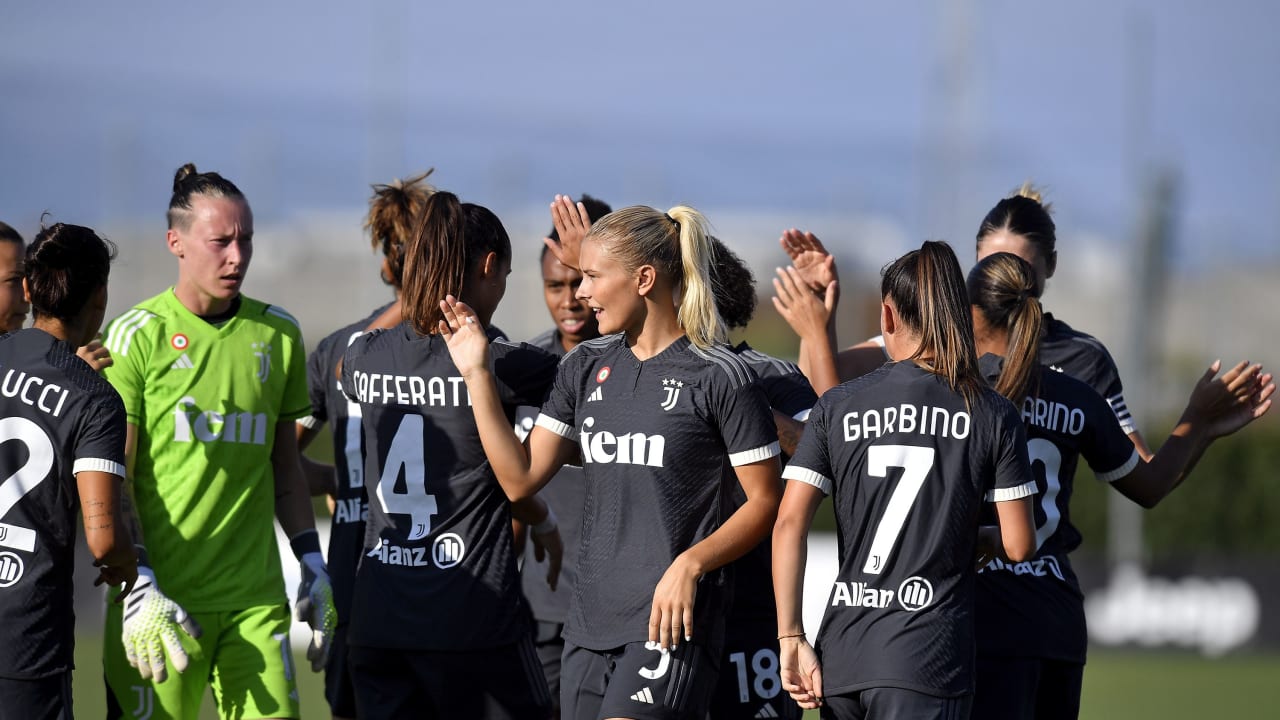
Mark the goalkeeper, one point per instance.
(212, 383)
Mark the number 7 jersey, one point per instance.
(908, 464)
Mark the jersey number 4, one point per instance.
(412, 499)
(916, 462)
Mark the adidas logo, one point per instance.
(595, 395)
(644, 696)
(767, 712)
(183, 363)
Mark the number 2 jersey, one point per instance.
(206, 400)
(438, 570)
(659, 439)
(57, 418)
(1036, 608)
(908, 464)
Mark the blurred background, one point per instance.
(1153, 127)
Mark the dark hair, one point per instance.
(927, 288)
(1024, 213)
(677, 244)
(733, 284)
(392, 211)
(1003, 288)
(66, 264)
(448, 240)
(596, 209)
(8, 234)
(187, 182)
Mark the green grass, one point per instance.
(1130, 685)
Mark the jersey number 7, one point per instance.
(406, 452)
(916, 462)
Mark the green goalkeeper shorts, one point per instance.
(243, 655)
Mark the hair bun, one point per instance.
(182, 174)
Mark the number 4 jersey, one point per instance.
(908, 464)
(438, 570)
(57, 418)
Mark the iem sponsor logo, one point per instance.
(628, 449)
(915, 593)
(10, 569)
(210, 426)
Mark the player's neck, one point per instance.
(200, 303)
(58, 329)
(656, 334)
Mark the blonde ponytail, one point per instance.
(697, 302)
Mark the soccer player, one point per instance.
(665, 418)
(1030, 617)
(212, 383)
(62, 431)
(908, 454)
(566, 494)
(438, 627)
(749, 683)
(393, 210)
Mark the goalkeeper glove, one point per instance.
(315, 598)
(148, 630)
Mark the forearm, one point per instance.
(508, 457)
(530, 511)
(790, 554)
(321, 478)
(745, 529)
(293, 502)
(819, 355)
(1152, 481)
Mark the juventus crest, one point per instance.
(262, 351)
(671, 387)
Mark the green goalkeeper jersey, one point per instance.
(205, 401)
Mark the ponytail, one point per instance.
(65, 265)
(393, 209)
(1003, 288)
(927, 288)
(697, 301)
(448, 239)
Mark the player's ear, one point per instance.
(1050, 264)
(489, 266)
(888, 319)
(26, 291)
(646, 277)
(174, 241)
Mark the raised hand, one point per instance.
(816, 266)
(1226, 404)
(572, 225)
(808, 314)
(464, 335)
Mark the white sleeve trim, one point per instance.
(310, 422)
(1125, 469)
(555, 426)
(808, 477)
(1026, 489)
(746, 457)
(97, 465)
(803, 415)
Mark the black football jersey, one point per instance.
(790, 393)
(908, 464)
(1086, 359)
(57, 418)
(438, 569)
(1035, 608)
(565, 494)
(330, 405)
(658, 440)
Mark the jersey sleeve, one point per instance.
(1106, 445)
(317, 379)
(1104, 377)
(351, 361)
(742, 413)
(129, 354)
(790, 394)
(559, 409)
(812, 462)
(99, 443)
(1011, 478)
(524, 372)
(296, 402)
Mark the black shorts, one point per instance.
(338, 689)
(44, 699)
(549, 643)
(890, 703)
(635, 682)
(749, 685)
(1012, 688)
(503, 683)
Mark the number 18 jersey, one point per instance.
(57, 418)
(908, 464)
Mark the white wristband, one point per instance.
(548, 523)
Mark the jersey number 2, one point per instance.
(916, 462)
(33, 472)
(414, 501)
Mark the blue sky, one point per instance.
(924, 113)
